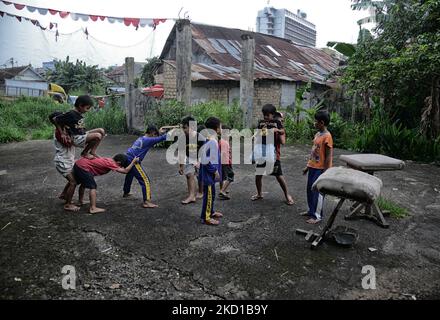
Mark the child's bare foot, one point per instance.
(289, 201)
(96, 210)
(127, 195)
(313, 221)
(256, 197)
(189, 200)
(211, 222)
(71, 207)
(217, 215)
(147, 204)
(199, 195)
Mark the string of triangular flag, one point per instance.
(136, 22)
(50, 26)
(36, 23)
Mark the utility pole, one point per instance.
(247, 78)
(183, 61)
(129, 95)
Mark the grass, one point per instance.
(27, 118)
(395, 210)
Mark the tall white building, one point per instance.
(285, 24)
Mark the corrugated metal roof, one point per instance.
(275, 58)
(9, 73)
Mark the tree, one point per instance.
(76, 76)
(149, 70)
(401, 64)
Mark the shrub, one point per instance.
(171, 113)
(392, 139)
(165, 113)
(111, 118)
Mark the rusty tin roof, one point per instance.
(275, 58)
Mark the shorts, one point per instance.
(64, 158)
(80, 140)
(277, 171)
(63, 169)
(84, 178)
(227, 173)
(189, 169)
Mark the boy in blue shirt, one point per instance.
(210, 171)
(139, 149)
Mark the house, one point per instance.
(280, 67)
(20, 81)
(117, 75)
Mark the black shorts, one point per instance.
(84, 178)
(277, 171)
(227, 173)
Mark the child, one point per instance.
(227, 172)
(189, 162)
(210, 172)
(139, 149)
(270, 123)
(200, 129)
(64, 160)
(321, 159)
(280, 117)
(74, 123)
(86, 169)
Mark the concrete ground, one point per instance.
(165, 253)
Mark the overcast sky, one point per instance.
(108, 44)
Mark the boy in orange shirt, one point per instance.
(321, 158)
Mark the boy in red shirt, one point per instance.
(86, 169)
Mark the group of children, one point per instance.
(214, 165)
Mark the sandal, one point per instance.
(185, 202)
(313, 221)
(256, 197)
(223, 196)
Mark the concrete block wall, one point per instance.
(169, 81)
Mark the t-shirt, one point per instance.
(225, 151)
(210, 163)
(142, 145)
(97, 166)
(64, 155)
(73, 121)
(192, 149)
(317, 155)
(271, 124)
